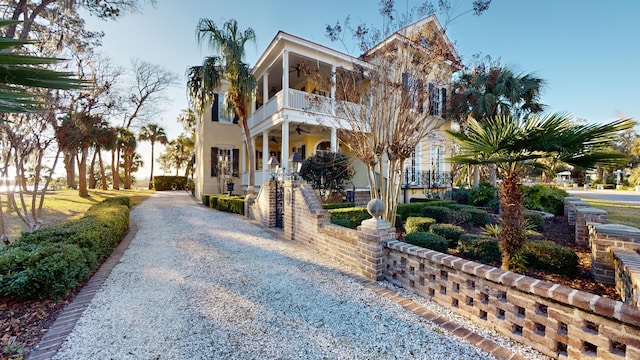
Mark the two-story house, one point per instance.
(291, 112)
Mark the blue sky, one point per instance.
(585, 50)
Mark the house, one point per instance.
(294, 112)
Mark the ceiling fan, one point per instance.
(300, 68)
(273, 139)
(301, 130)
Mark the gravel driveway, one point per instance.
(196, 283)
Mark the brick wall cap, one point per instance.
(571, 198)
(591, 210)
(616, 229)
(577, 203)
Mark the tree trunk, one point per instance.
(252, 157)
(103, 176)
(493, 175)
(127, 158)
(115, 168)
(151, 175)
(93, 182)
(512, 235)
(82, 173)
(70, 167)
(476, 176)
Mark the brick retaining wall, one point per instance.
(556, 320)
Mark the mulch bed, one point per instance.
(23, 323)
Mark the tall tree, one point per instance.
(152, 133)
(511, 144)
(229, 43)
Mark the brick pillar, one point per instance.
(585, 216)
(289, 206)
(571, 210)
(603, 239)
(249, 206)
(566, 202)
(371, 237)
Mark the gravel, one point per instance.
(196, 283)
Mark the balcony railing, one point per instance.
(427, 179)
(309, 102)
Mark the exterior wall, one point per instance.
(556, 320)
(584, 217)
(210, 134)
(627, 268)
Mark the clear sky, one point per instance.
(585, 50)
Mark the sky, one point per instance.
(586, 51)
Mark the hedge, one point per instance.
(418, 224)
(536, 220)
(162, 183)
(550, 256)
(428, 240)
(354, 215)
(341, 205)
(223, 202)
(479, 217)
(50, 262)
(450, 232)
(205, 199)
(405, 210)
(440, 213)
(483, 249)
(341, 222)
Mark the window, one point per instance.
(437, 100)
(437, 158)
(412, 92)
(224, 162)
(219, 111)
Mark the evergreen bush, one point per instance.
(428, 240)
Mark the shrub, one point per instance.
(341, 205)
(327, 171)
(405, 210)
(544, 198)
(460, 196)
(483, 195)
(355, 215)
(428, 240)
(458, 217)
(418, 224)
(341, 222)
(535, 220)
(485, 250)
(205, 199)
(49, 262)
(232, 204)
(450, 232)
(439, 213)
(213, 201)
(443, 203)
(550, 256)
(162, 183)
(421, 200)
(478, 217)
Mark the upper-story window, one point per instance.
(437, 100)
(219, 111)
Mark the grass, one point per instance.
(64, 205)
(618, 213)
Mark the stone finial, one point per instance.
(375, 207)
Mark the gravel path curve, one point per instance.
(200, 284)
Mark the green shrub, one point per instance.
(485, 250)
(439, 213)
(398, 221)
(405, 210)
(450, 232)
(460, 196)
(428, 240)
(535, 220)
(205, 199)
(162, 183)
(341, 205)
(544, 198)
(483, 195)
(418, 224)
(550, 256)
(457, 217)
(421, 200)
(479, 217)
(233, 204)
(50, 262)
(443, 203)
(118, 200)
(341, 222)
(213, 200)
(355, 215)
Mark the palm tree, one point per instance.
(152, 133)
(513, 144)
(229, 42)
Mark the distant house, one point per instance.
(286, 118)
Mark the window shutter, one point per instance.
(444, 102)
(303, 151)
(235, 118)
(214, 162)
(420, 97)
(214, 108)
(236, 162)
(431, 99)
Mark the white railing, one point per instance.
(271, 107)
(309, 102)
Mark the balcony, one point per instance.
(427, 179)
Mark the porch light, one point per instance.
(295, 163)
(274, 164)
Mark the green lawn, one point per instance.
(618, 213)
(64, 205)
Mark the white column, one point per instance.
(253, 146)
(265, 88)
(285, 77)
(253, 104)
(334, 140)
(284, 160)
(333, 90)
(265, 155)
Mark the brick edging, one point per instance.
(66, 320)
